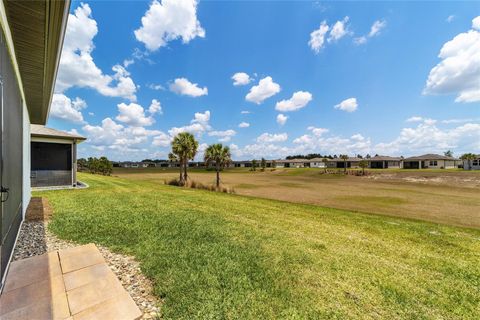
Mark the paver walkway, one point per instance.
(74, 283)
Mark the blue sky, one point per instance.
(397, 78)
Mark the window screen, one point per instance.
(51, 156)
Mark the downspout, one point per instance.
(2, 188)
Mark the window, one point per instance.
(476, 162)
(433, 163)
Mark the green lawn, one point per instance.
(221, 256)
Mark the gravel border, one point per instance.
(35, 239)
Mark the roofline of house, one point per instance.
(56, 16)
(72, 138)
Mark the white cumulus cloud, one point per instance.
(198, 125)
(265, 89)
(415, 119)
(476, 23)
(169, 20)
(428, 137)
(317, 37)
(339, 30)
(244, 125)
(375, 30)
(281, 119)
(272, 137)
(155, 107)
(377, 27)
(184, 87)
(348, 105)
(459, 71)
(298, 100)
(64, 108)
(224, 136)
(317, 131)
(133, 114)
(77, 68)
(241, 79)
(162, 140)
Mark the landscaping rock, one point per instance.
(35, 239)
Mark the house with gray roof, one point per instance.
(384, 162)
(53, 157)
(431, 161)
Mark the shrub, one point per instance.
(97, 166)
(198, 185)
(174, 182)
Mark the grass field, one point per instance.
(222, 256)
(444, 196)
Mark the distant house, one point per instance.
(431, 161)
(317, 163)
(53, 157)
(162, 164)
(340, 163)
(125, 164)
(473, 164)
(296, 163)
(144, 164)
(384, 162)
(242, 164)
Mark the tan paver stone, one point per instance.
(36, 288)
(22, 297)
(27, 271)
(86, 296)
(81, 260)
(47, 308)
(76, 250)
(86, 275)
(120, 307)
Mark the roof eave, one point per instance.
(38, 30)
(79, 139)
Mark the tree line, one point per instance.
(95, 165)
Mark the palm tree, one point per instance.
(344, 157)
(469, 157)
(363, 164)
(184, 147)
(220, 155)
(263, 164)
(448, 153)
(254, 165)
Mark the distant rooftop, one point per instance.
(37, 130)
(384, 158)
(430, 156)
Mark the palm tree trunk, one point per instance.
(218, 177)
(180, 167)
(185, 170)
